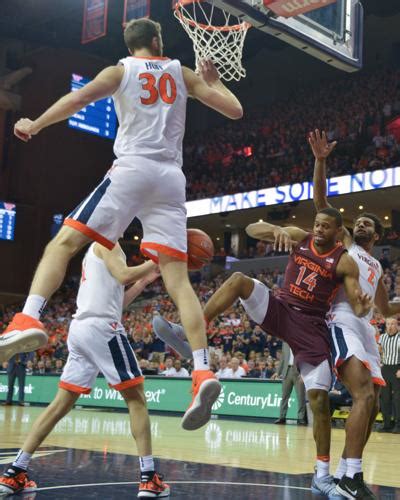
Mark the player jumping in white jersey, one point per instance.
(354, 348)
(97, 342)
(145, 181)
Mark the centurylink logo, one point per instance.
(220, 401)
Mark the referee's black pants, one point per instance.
(390, 396)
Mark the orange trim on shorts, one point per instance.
(378, 381)
(128, 383)
(90, 233)
(74, 388)
(164, 249)
(375, 380)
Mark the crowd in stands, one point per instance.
(238, 347)
(268, 147)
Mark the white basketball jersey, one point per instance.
(151, 109)
(370, 274)
(100, 295)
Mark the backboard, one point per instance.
(333, 33)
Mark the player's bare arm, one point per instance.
(105, 84)
(321, 149)
(137, 288)
(115, 262)
(382, 302)
(208, 89)
(283, 237)
(360, 302)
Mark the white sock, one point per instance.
(354, 466)
(322, 468)
(34, 306)
(22, 460)
(146, 463)
(341, 468)
(201, 360)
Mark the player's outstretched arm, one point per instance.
(382, 301)
(283, 237)
(208, 89)
(321, 149)
(105, 84)
(115, 262)
(360, 302)
(137, 288)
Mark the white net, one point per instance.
(222, 43)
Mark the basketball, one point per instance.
(200, 249)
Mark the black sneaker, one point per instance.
(354, 488)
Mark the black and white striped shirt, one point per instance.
(390, 348)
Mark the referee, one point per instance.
(390, 395)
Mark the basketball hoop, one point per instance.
(216, 35)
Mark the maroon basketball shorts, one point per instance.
(307, 335)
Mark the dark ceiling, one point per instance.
(59, 24)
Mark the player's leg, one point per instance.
(237, 286)
(15, 479)
(206, 387)
(374, 412)
(114, 357)
(317, 381)
(357, 379)
(151, 483)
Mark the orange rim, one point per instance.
(207, 27)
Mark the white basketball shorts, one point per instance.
(153, 192)
(98, 346)
(352, 336)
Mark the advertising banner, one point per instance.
(238, 398)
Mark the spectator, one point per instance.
(180, 371)
(224, 371)
(59, 366)
(390, 394)
(237, 370)
(29, 367)
(40, 369)
(16, 369)
(253, 371)
(169, 367)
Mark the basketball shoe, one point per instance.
(205, 389)
(325, 486)
(354, 487)
(152, 486)
(173, 335)
(23, 334)
(12, 483)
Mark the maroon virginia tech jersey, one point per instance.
(310, 282)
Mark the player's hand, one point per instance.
(208, 71)
(320, 146)
(398, 374)
(24, 129)
(283, 241)
(366, 303)
(153, 274)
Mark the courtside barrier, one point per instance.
(239, 398)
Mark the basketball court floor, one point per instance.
(91, 454)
